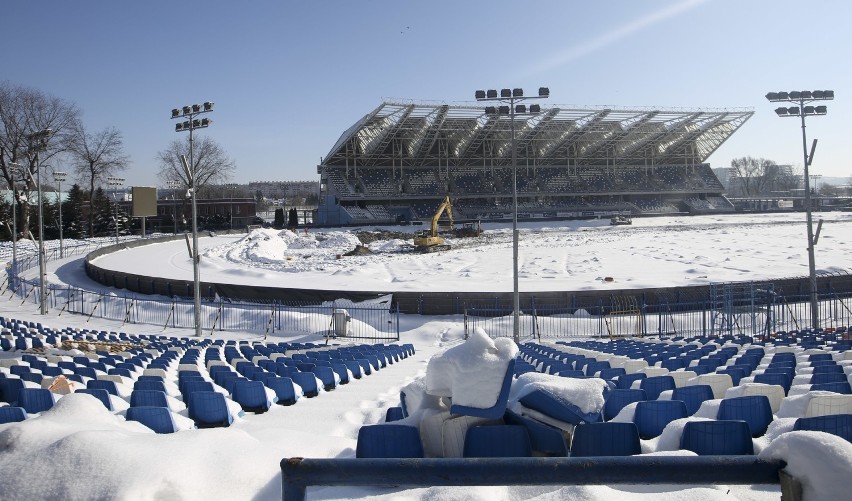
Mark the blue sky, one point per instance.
(289, 77)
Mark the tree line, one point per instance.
(93, 157)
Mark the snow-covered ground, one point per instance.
(553, 256)
(81, 451)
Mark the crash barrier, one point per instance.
(299, 473)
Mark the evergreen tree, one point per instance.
(73, 218)
(103, 216)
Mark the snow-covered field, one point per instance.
(570, 255)
(81, 451)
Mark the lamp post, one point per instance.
(191, 122)
(232, 188)
(58, 177)
(37, 142)
(115, 183)
(16, 171)
(802, 109)
(511, 97)
(174, 185)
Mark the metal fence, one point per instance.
(372, 322)
(755, 309)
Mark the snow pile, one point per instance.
(586, 394)
(80, 450)
(820, 461)
(471, 373)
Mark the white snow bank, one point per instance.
(471, 373)
(820, 461)
(79, 450)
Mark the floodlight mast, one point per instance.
(799, 98)
(37, 142)
(59, 177)
(191, 123)
(513, 96)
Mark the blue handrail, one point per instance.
(299, 473)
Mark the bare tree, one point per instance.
(95, 157)
(23, 111)
(754, 175)
(210, 163)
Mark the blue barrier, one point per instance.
(299, 473)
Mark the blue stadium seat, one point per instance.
(843, 388)
(9, 388)
(97, 384)
(498, 441)
(10, 414)
(307, 381)
(388, 441)
(655, 385)
(753, 409)
(626, 381)
(208, 409)
(652, 416)
(394, 414)
(693, 396)
(827, 377)
(617, 399)
(283, 388)
(605, 439)
(713, 438)
(781, 380)
(836, 424)
(158, 419)
(35, 400)
(148, 398)
(544, 439)
(251, 395)
(150, 385)
(497, 410)
(188, 387)
(100, 394)
(542, 401)
(326, 375)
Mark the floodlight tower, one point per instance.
(191, 122)
(174, 185)
(512, 96)
(58, 177)
(802, 108)
(16, 170)
(115, 183)
(36, 143)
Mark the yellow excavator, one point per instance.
(430, 240)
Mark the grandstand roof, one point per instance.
(416, 134)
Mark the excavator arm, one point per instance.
(446, 206)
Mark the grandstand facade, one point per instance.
(400, 160)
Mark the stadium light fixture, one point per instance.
(36, 143)
(510, 108)
(189, 113)
(803, 108)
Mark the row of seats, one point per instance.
(202, 379)
(743, 385)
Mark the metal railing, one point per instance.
(299, 473)
(707, 318)
(377, 322)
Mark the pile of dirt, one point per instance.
(367, 237)
(359, 250)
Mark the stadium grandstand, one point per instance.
(400, 160)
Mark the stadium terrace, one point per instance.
(400, 160)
